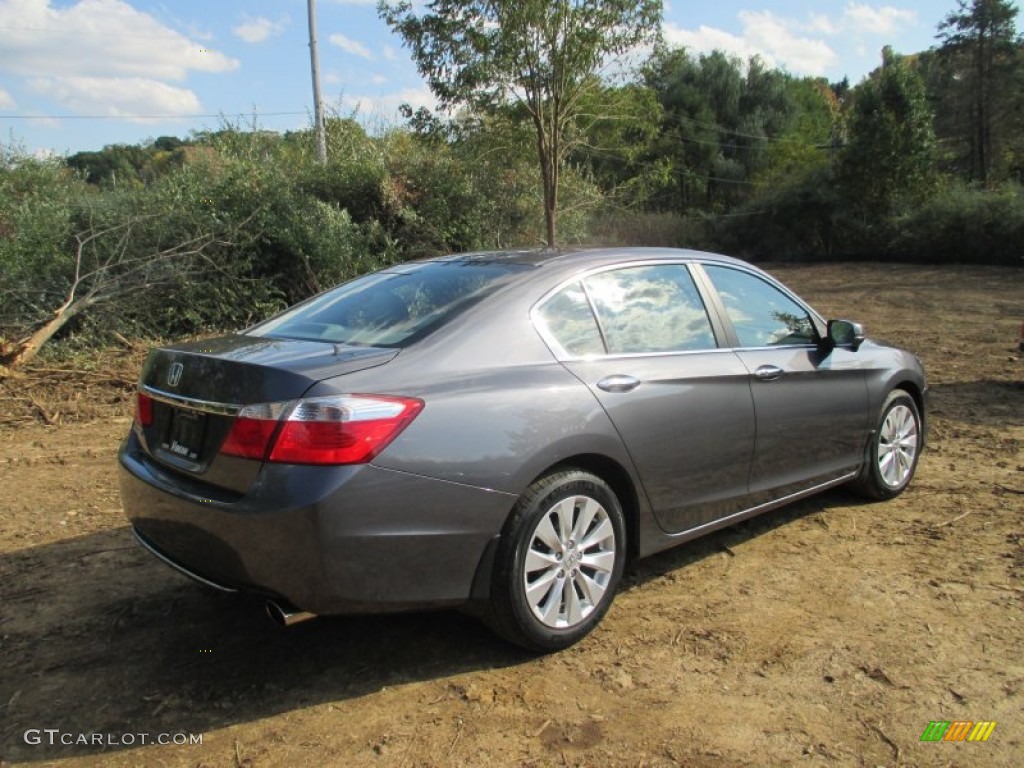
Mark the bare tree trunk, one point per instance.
(548, 180)
(29, 347)
(550, 174)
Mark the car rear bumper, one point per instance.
(328, 540)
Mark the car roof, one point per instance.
(586, 256)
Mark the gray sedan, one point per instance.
(502, 431)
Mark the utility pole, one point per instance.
(318, 102)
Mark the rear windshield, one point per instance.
(394, 307)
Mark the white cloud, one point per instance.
(353, 2)
(332, 78)
(706, 39)
(798, 44)
(822, 24)
(103, 56)
(390, 53)
(884, 20)
(351, 46)
(127, 97)
(378, 79)
(773, 34)
(6, 100)
(765, 34)
(97, 38)
(386, 106)
(259, 28)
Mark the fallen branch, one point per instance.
(77, 372)
(128, 344)
(50, 420)
(958, 517)
(1010, 490)
(895, 747)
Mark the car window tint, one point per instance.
(570, 321)
(761, 314)
(650, 309)
(394, 307)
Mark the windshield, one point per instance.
(394, 307)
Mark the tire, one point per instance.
(894, 449)
(558, 563)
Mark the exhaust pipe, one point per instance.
(286, 615)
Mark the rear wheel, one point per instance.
(895, 449)
(559, 562)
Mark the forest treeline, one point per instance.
(921, 161)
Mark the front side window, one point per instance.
(761, 314)
(650, 309)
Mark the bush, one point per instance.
(964, 224)
(640, 228)
(802, 218)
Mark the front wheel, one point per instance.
(559, 562)
(894, 450)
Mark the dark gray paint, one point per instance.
(701, 442)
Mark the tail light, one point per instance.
(143, 409)
(343, 429)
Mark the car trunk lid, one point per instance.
(196, 389)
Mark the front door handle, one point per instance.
(619, 382)
(768, 373)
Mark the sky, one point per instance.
(80, 74)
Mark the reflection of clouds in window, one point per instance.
(650, 309)
(735, 307)
(569, 320)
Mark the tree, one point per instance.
(541, 53)
(981, 48)
(617, 127)
(891, 151)
(721, 118)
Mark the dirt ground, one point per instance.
(828, 633)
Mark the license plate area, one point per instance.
(186, 434)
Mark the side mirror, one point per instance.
(843, 333)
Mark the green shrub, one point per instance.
(964, 224)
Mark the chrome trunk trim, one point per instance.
(206, 406)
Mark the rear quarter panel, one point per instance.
(499, 409)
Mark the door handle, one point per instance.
(619, 382)
(768, 373)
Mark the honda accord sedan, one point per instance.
(503, 431)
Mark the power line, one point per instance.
(170, 35)
(148, 117)
(733, 133)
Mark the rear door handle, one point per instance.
(619, 382)
(768, 373)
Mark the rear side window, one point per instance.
(650, 309)
(394, 307)
(569, 319)
(761, 314)
(633, 310)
